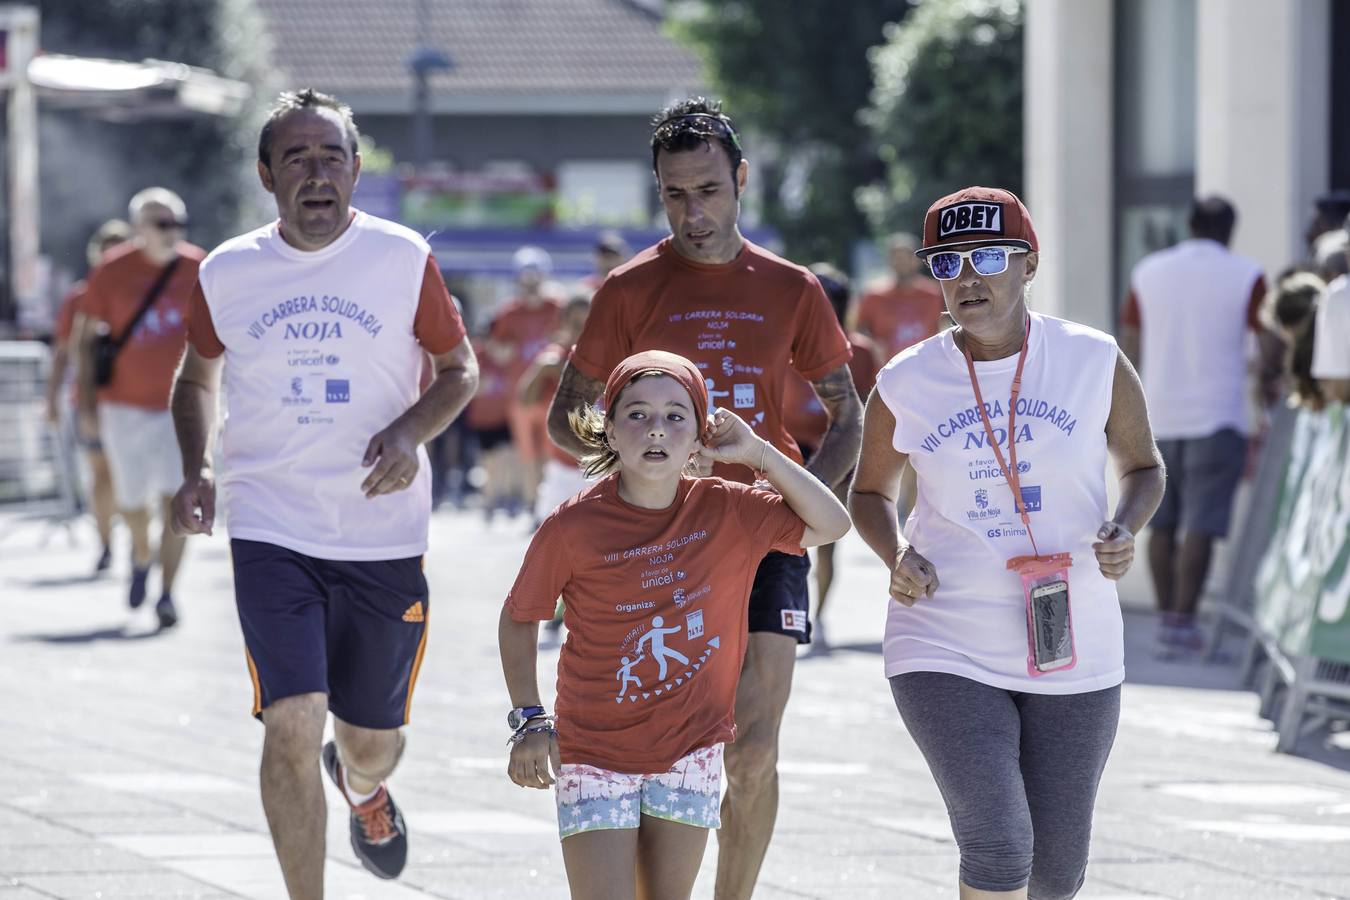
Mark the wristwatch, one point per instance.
(519, 716)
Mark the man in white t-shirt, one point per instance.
(1185, 325)
(320, 324)
(1331, 341)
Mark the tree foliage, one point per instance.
(90, 168)
(947, 109)
(796, 73)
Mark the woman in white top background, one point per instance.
(1004, 646)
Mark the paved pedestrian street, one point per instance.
(128, 759)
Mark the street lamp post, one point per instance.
(425, 60)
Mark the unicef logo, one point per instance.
(1023, 467)
(333, 359)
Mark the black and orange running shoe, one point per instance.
(379, 837)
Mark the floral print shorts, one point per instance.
(591, 798)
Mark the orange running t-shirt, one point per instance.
(744, 324)
(553, 356)
(487, 411)
(65, 313)
(899, 316)
(529, 329)
(144, 371)
(806, 418)
(655, 606)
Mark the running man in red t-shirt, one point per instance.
(522, 328)
(903, 310)
(656, 569)
(134, 426)
(744, 316)
(561, 476)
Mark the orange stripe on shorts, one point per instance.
(417, 661)
(257, 686)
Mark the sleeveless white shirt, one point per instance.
(964, 520)
(321, 356)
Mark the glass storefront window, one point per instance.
(1154, 127)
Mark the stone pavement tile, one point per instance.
(68, 857)
(508, 878)
(166, 822)
(19, 892)
(1195, 881)
(70, 797)
(126, 886)
(1335, 884)
(162, 847)
(860, 840)
(260, 879)
(1221, 853)
(19, 827)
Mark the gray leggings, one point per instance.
(1018, 772)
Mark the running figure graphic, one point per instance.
(626, 674)
(660, 651)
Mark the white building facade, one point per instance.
(1135, 106)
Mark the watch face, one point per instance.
(518, 717)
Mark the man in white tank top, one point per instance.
(320, 324)
(1188, 315)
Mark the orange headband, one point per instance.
(674, 365)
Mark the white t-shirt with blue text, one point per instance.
(964, 520)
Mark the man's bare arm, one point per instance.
(194, 402)
(838, 451)
(574, 390)
(447, 395)
(391, 454)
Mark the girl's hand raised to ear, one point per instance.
(731, 440)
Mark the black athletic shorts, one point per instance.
(355, 631)
(780, 600)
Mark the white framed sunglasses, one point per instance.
(946, 264)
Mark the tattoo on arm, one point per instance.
(574, 390)
(838, 451)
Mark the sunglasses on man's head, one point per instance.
(701, 124)
(946, 264)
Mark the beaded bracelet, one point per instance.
(537, 725)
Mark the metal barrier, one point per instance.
(1236, 604)
(38, 475)
(1295, 599)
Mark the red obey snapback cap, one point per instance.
(978, 215)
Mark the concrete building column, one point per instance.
(1263, 117)
(1067, 118)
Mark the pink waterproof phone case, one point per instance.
(1045, 588)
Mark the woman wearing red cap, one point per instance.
(1004, 645)
(655, 569)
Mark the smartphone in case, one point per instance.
(1051, 635)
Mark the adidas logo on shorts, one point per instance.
(415, 613)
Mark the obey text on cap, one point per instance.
(969, 216)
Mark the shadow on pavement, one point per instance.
(119, 633)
